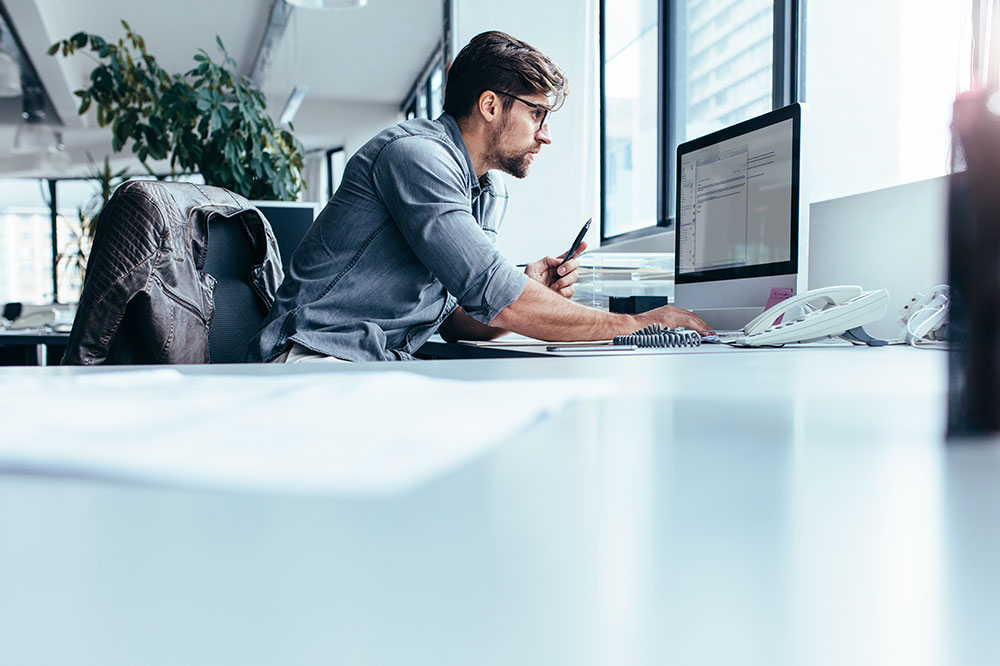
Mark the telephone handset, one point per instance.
(825, 312)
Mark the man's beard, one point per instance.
(516, 163)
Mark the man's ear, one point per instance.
(488, 106)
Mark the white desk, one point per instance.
(772, 507)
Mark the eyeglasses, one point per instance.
(539, 107)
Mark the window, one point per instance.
(25, 241)
(435, 90)
(28, 249)
(76, 203)
(631, 93)
(426, 99)
(726, 61)
(336, 160)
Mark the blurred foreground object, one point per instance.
(974, 269)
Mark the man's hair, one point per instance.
(498, 62)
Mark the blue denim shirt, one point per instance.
(407, 237)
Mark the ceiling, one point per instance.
(367, 55)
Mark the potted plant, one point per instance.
(209, 120)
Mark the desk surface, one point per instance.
(32, 336)
(769, 507)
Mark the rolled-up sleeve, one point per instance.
(426, 192)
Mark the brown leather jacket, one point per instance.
(146, 299)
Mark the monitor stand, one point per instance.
(727, 319)
(729, 305)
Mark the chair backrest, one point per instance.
(239, 314)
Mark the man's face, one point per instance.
(518, 138)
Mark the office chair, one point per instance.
(179, 273)
(239, 313)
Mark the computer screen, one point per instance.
(289, 221)
(741, 218)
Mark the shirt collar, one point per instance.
(451, 126)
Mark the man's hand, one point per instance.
(544, 271)
(673, 317)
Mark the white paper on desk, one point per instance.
(378, 432)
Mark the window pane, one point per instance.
(630, 87)
(25, 241)
(436, 91)
(336, 162)
(727, 56)
(77, 201)
(421, 105)
(881, 78)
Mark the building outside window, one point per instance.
(727, 57)
(718, 72)
(630, 83)
(25, 241)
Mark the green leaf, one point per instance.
(209, 119)
(53, 49)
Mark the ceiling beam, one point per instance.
(277, 21)
(58, 76)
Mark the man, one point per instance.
(405, 246)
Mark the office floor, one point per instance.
(775, 507)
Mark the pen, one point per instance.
(576, 243)
(592, 348)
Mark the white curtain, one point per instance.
(314, 177)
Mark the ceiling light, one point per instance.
(327, 4)
(35, 138)
(293, 104)
(10, 76)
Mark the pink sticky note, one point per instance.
(778, 294)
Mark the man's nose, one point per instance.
(543, 135)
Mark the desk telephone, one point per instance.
(824, 312)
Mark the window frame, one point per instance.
(330, 185)
(787, 69)
(417, 103)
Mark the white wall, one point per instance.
(892, 239)
(326, 124)
(548, 207)
(329, 124)
(881, 78)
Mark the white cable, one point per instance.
(929, 314)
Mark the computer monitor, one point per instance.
(289, 221)
(742, 218)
